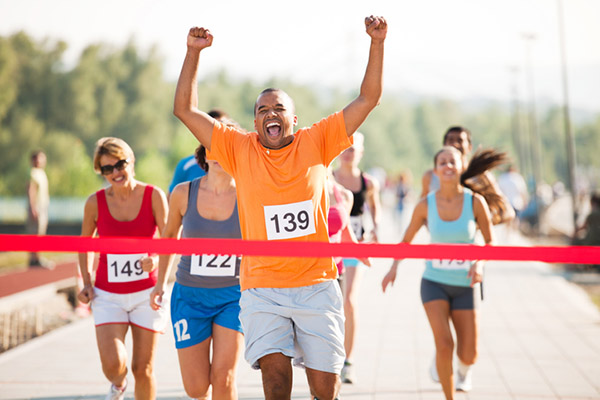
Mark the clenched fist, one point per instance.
(199, 38)
(376, 27)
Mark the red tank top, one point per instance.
(122, 274)
(337, 219)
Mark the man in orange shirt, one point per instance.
(291, 307)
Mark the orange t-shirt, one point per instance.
(282, 195)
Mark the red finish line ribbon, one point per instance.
(78, 244)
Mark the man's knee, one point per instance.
(323, 385)
(325, 393)
(276, 372)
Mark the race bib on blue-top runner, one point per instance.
(451, 264)
(125, 267)
(213, 265)
(289, 221)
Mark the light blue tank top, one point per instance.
(208, 270)
(461, 230)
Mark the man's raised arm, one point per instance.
(356, 112)
(186, 94)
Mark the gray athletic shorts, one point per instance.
(459, 297)
(304, 323)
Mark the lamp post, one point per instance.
(519, 142)
(534, 136)
(566, 117)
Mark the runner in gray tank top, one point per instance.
(225, 269)
(205, 297)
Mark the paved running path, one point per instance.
(540, 339)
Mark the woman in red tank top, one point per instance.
(338, 219)
(119, 295)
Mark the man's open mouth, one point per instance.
(273, 128)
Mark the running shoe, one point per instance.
(464, 383)
(116, 393)
(348, 373)
(433, 371)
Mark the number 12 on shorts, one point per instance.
(181, 330)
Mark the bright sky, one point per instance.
(457, 49)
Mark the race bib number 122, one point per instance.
(290, 220)
(213, 265)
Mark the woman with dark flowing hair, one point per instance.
(451, 289)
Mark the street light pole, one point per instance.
(534, 137)
(519, 142)
(566, 117)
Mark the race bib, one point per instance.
(357, 226)
(125, 267)
(213, 265)
(290, 220)
(451, 264)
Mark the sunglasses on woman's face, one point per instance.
(119, 166)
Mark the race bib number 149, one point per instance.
(125, 267)
(289, 221)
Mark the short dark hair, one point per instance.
(457, 129)
(269, 90)
(217, 113)
(36, 153)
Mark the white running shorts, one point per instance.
(131, 309)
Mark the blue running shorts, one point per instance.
(195, 310)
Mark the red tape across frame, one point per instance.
(77, 244)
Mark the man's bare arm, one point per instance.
(371, 88)
(186, 94)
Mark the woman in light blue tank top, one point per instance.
(450, 288)
(205, 299)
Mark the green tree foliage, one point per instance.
(122, 92)
(8, 72)
(110, 92)
(72, 171)
(152, 167)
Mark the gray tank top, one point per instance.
(208, 270)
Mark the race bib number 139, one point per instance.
(290, 220)
(125, 267)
